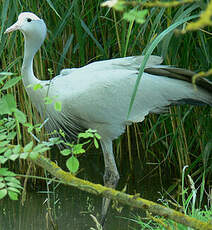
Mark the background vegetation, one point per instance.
(80, 32)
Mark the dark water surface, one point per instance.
(73, 207)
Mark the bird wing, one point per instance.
(132, 62)
(100, 97)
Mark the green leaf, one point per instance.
(90, 131)
(28, 147)
(34, 155)
(78, 149)
(2, 185)
(7, 104)
(20, 116)
(65, 152)
(136, 15)
(72, 164)
(2, 78)
(12, 179)
(11, 124)
(6, 74)
(97, 136)
(48, 100)
(85, 135)
(13, 195)
(30, 127)
(17, 149)
(24, 155)
(13, 157)
(3, 193)
(13, 189)
(119, 6)
(96, 143)
(5, 172)
(11, 135)
(58, 106)
(54, 141)
(3, 159)
(3, 136)
(40, 148)
(37, 86)
(8, 153)
(3, 143)
(14, 185)
(3, 149)
(11, 83)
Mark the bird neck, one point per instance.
(31, 46)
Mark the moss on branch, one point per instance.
(131, 200)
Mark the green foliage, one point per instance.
(7, 101)
(72, 164)
(9, 185)
(37, 87)
(10, 83)
(189, 207)
(10, 117)
(13, 152)
(50, 100)
(91, 134)
(135, 15)
(31, 127)
(58, 106)
(7, 104)
(75, 149)
(9, 151)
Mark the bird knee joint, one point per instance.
(111, 178)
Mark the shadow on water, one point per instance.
(73, 207)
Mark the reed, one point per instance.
(80, 32)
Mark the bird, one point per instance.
(98, 95)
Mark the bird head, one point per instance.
(30, 25)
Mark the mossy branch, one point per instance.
(166, 4)
(204, 20)
(131, 200)
(201, 74)
(148, 4)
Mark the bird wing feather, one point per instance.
(132, 62)
(100, 96)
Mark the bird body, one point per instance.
(100, 99)
(98, 95)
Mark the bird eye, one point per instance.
(29, 19)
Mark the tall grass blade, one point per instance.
(87, 30)
(3, 20)
(79, 32)
(61, 26)
(52, 6)
(3, 17)
(149, 52)
(128, 37)
(65, 50)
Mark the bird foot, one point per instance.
(111, 178)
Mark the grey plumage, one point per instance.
(98, 95)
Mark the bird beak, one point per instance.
(14, 27)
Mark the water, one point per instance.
(73, 207)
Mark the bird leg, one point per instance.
(111, 175)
